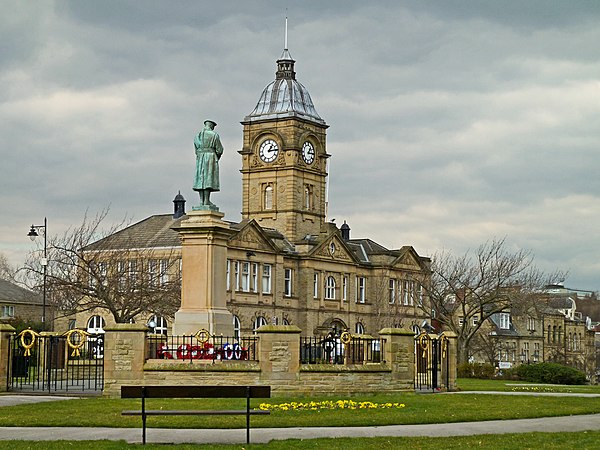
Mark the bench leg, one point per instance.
(248, 415)
(143, 420)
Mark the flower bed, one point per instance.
(327, 404)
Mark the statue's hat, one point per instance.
(214, 124)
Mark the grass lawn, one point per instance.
(419, 408)
(585, 440)
(473, 384)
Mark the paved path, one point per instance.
(587, 422)
(11, 400)
(263, 435)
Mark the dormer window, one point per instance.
(504, 321)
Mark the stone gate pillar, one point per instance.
(399, 353)
(124, 356)
(449, 368)
(6, 332)
(279, 353)
(204, 238)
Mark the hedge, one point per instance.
(550, 373)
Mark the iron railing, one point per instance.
(333, 349)
(51, 364)
(212, 348)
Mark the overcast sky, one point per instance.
(451, 122)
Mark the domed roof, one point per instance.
(285, 97)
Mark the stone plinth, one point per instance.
(204, 238)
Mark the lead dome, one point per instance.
(285, 97)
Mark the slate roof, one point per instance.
(11, 293)
(157, 231)
(152, 232)
(561, 302)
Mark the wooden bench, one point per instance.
(145, 392)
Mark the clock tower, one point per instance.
(284, 158)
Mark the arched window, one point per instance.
(330, 288)
(259, 322)
(307, 197)
(268, 197)
(570, 342)
(559, 334)
(549, 333)
(360, 328)
(554, 333)
(158, 325)
(96, 325)
(237, 327)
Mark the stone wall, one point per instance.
(278, 365)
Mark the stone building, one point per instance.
(286, 264)
(547, 330)
(21, 306)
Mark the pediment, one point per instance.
(408, 259)
(252, 237)
(334, 249)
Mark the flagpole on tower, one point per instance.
(285, 43)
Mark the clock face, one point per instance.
(308, 153)
(268, 150)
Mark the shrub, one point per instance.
(550, 373)
(476, 370)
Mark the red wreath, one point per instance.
(163, 352)
(186, 351)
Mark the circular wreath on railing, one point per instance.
(30, 345)
(202, 335)
(423, 340)
(346, 338)
(79, 340)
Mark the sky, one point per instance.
(452, 122)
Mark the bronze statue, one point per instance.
(208, 152)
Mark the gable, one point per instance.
(408, 260)
(252, 237)
(334, 249)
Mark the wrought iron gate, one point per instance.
(431, 362)
(73, 362)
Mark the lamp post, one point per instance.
(33, 233)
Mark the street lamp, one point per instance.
(33, 233)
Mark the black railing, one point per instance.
(49, 363)
(190, 348)
(333, 349)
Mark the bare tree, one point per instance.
(113, 270)
(7, 271)
(466, 291)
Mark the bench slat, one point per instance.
(174, 412)
(195, 391)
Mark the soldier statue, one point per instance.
(208, 152)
